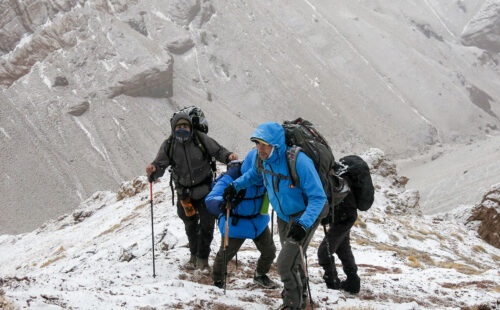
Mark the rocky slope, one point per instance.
(99, 257)
(88, 86)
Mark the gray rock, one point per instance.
(155, 82)
(483, 30)
(60, 81)
(180, 46)
(79, 109)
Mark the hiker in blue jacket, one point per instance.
(299, 208)
(245, 222)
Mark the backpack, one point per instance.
(197, 116)
(356, 170)
(301, 136)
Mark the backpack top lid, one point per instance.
(356, 170)
(197, 117)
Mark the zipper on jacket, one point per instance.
(187, 161)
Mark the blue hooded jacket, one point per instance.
(243, 228)
(286, 199)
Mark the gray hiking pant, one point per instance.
(264, 243)
(290, 264)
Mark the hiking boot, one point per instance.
(191, 263)
(219, 284)
(264, 281)
(351, 284)
(202, 263)
(332, 282)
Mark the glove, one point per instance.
(297, 232)
(239, 198)
(229, 193)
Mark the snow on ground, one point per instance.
(99, 257)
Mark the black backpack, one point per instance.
(197, 116)
(301, 136)
(356, 170)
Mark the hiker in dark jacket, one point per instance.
(298, 207)
(338, 238)
(245, 222)
(188, 152)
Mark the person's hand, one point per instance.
(233, 156)
(150, 169)
(297, 232)
(229, 193)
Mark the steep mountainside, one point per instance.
(87, 87)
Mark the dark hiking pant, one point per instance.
(199, 228)
(338, 237)
(290, 264)
(264, 243)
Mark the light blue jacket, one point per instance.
(243, 228)
(286, 199)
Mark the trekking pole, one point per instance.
(152, 229)
(304, 266)
(332, 266)
(226, 242)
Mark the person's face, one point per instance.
(264, 150)
(183, 125)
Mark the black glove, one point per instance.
(239, 198)
(229, 193)
(297, 232)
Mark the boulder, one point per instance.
(488, 214)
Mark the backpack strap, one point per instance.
(291, 160)
(211, 159)
(260, 169)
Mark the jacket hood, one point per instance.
(178, 116)
(273, 133)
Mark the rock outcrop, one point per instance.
(398, 199)
(488, 214)
(483, 30)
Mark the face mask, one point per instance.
(182, 134)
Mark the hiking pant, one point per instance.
(290, 264)
(264, 243)
(199, 228)
(338, 237)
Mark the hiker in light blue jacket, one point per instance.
(246, 222)
(298, 207)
